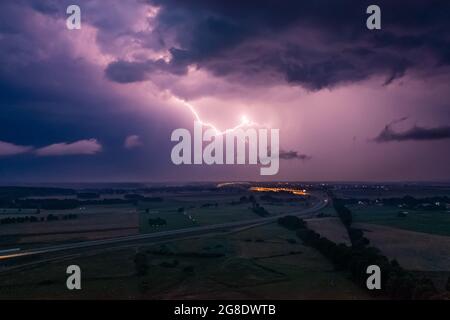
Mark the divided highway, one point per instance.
(178, 233)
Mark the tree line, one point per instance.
(26, 219)
(396, 282)
(408, 202)
(64, 204)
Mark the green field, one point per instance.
(174, 220)
(181, 211)
(420, 221)
(251, 264)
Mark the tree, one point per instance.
(291, 222)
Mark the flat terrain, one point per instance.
(418, 191)
(88, 225)
(188, 210)
(413, 250)
(435, 222)
(263, 262)
(330, 228)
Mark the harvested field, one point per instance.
(331, 228)
(413, 250)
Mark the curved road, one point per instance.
(14, 254)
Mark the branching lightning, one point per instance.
(245, 122)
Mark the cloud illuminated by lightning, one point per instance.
(245, 122)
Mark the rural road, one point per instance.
(16, 254)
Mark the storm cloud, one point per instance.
(415, 133)
(293, 155)
(315, 45)
(310, 68)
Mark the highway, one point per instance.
(14, 254)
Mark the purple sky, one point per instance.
(100, 103)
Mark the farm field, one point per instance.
(89, 225)
(180, 211)
(263, 262)
(258, 263)
(436, 222)
(330, 228)
(413, 250)
(176, 209)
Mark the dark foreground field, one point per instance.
(258, 262)
(261, 263)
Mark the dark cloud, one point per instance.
(53, 90)
(306, 43)
(416, 133)
(52, 86)
(293, 155)
(301, 42)
(127, 72)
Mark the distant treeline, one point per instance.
(21, 192)
(396, 282)
(269, 197)
(61, 204)
(88, 195)
(408, 202)
(157, 222)
(14, 192)
(26, 219)
(208, 205)
(244, 199)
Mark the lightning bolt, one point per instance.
(245, 122)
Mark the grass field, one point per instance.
(262, 262)
(187, 210)
(413, 250)
(104, 223)
(223, 213)
(179, 212)
(174, 220)
(330, 228)
(420, 221)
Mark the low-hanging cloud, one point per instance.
(416, 133)
(81, 147)
(293, 155)
(132, 141)
(10, 149)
